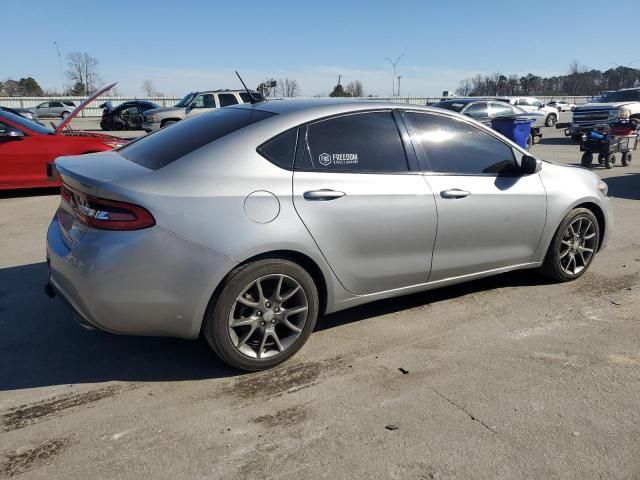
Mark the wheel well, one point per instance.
(169, 120)
(597, 211)
(301, 259)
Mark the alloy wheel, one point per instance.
(577, 246)
(268, 316)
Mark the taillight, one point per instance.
(107, 214)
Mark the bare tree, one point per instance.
(355, 89)
(150, 90)
(82, 71)
(288, 88)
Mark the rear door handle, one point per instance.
(454, 193)
(322, 195)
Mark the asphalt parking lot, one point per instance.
(507, 377)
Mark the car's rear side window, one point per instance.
(366, 142)
(171, 143)
(281, 150)
(227, 99)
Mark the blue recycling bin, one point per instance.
(514, 128)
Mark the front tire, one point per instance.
(626, 159)
(168, 123)
(573, 246)
(552, 118)
(264, 313)
(64, 115)
(587, 159)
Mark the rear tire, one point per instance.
(557, 263)
(168, 123)
(626, 159)
(252, 296)
(530, 142)
(64, 115)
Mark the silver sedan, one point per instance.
(247, 223)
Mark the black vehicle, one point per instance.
(485, 109)
(126, 116)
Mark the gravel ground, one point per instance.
(508, 377)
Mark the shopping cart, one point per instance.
(619, 139)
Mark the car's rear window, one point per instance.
(171, 143)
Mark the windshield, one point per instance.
(185, 100)
(622, 96)
(454, 106)
(25, 123)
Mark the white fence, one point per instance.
(94, 110)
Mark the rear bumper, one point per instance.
(144, 282)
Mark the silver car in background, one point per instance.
(55, 109)
(246, 223)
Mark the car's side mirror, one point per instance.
(13, 133)
(530, 165)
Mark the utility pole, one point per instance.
(60, 63)
(393, 78)
(622, 70)
(399, 77)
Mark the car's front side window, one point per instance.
(362, 143)
(43, 105)
(477, 110)
(501, 109)
(204, 101)
(456, 147)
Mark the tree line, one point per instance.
(578, 81)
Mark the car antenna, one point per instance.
(253, 100)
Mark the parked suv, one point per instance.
(193, 104)
(55, 108)
(615, 106)
(532, 104)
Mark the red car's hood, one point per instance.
(86, 102)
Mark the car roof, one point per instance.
(290, 113)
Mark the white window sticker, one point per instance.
(340, 159)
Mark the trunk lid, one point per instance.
(86, 176)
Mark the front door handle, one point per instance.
(454, 193)
(323, 195)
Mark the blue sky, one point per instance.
(197, 44)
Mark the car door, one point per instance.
(478, 111)
(22, 159)
(373, 218)
(490, 216)
(204, 102)
(132, 117)
(55, 109)
(43, 109)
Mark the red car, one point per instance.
(28, 149)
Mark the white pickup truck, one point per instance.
(615, 106)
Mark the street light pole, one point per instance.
(60, 63)
(393, 79)
(622, 71)
(399, 77)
